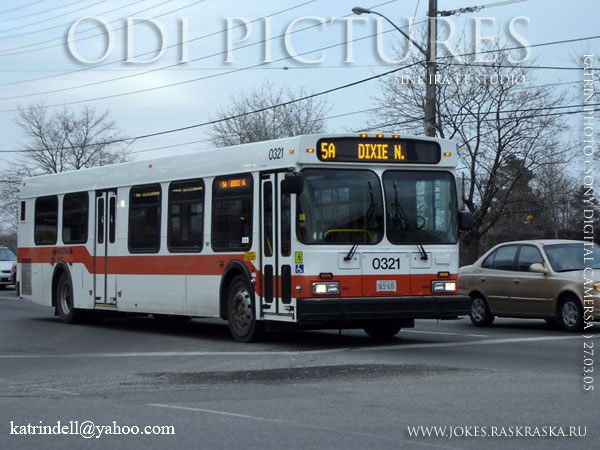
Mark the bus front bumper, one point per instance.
(418, 307)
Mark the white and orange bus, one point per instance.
(320, 231)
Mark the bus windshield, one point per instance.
(420, 207)
(340, 207)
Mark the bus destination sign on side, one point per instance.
(378, 150)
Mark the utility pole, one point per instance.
(431, 55)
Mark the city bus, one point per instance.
(333, 231)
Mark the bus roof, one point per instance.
(258, 156)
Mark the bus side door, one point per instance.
(105, 282)
(276, 260)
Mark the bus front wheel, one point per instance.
(240, 312)
(64, 301)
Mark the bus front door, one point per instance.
(275, 249)
(105, 282)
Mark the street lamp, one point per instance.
(430, 57)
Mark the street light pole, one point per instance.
(430, 55)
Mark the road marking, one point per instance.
(300, 352)
(59, 390)
(289, 422)
(167, 354)
(463, 344)
(444, 333)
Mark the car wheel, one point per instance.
(64, 301)
(570, 314)
(480, 312)
(240, 312)
(382, 332)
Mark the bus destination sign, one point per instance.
(378, 150)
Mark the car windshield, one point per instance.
(566, 257)
(420, 206)
(7, 255)
(340, 207)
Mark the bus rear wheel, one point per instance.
(240, 312)
(64, 301)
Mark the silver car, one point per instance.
(547, 279)
(7, 259)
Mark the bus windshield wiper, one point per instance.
(400, 212)
(369, 215)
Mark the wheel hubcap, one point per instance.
(65, 298)
(570, 314)
(241, 310)
(477, 309)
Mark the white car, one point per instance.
(7, 260)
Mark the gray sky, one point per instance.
(33, 45)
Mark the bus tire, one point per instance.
(382, 332)
(64, 301)
(240, 312)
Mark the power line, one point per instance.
(193, 79)
(38, 13)
(212, 122)
(62, 25)
(21, 7)
(263, 64)
(60, 44)
(155, 50)
(531, 116)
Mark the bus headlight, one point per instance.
(443, 286)
(331, 288)
(597, 287)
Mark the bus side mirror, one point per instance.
(293, 183)
(465, 220)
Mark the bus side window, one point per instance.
(144, 219)
(232, 213)
(185, 231)
(46, 220)
(75, 218)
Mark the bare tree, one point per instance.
(57, 142)
(303, 117)
(507, 130)
(67, 140)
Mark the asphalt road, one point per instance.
(306, 390)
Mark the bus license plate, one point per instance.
(386, 285)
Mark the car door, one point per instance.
(496, 281)
(531, 291)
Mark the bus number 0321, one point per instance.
(386, 263)
(276, 153)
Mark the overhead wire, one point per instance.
(21, 7)
(31, 14)
(5, 52)
(62, 25)
(88, 68)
